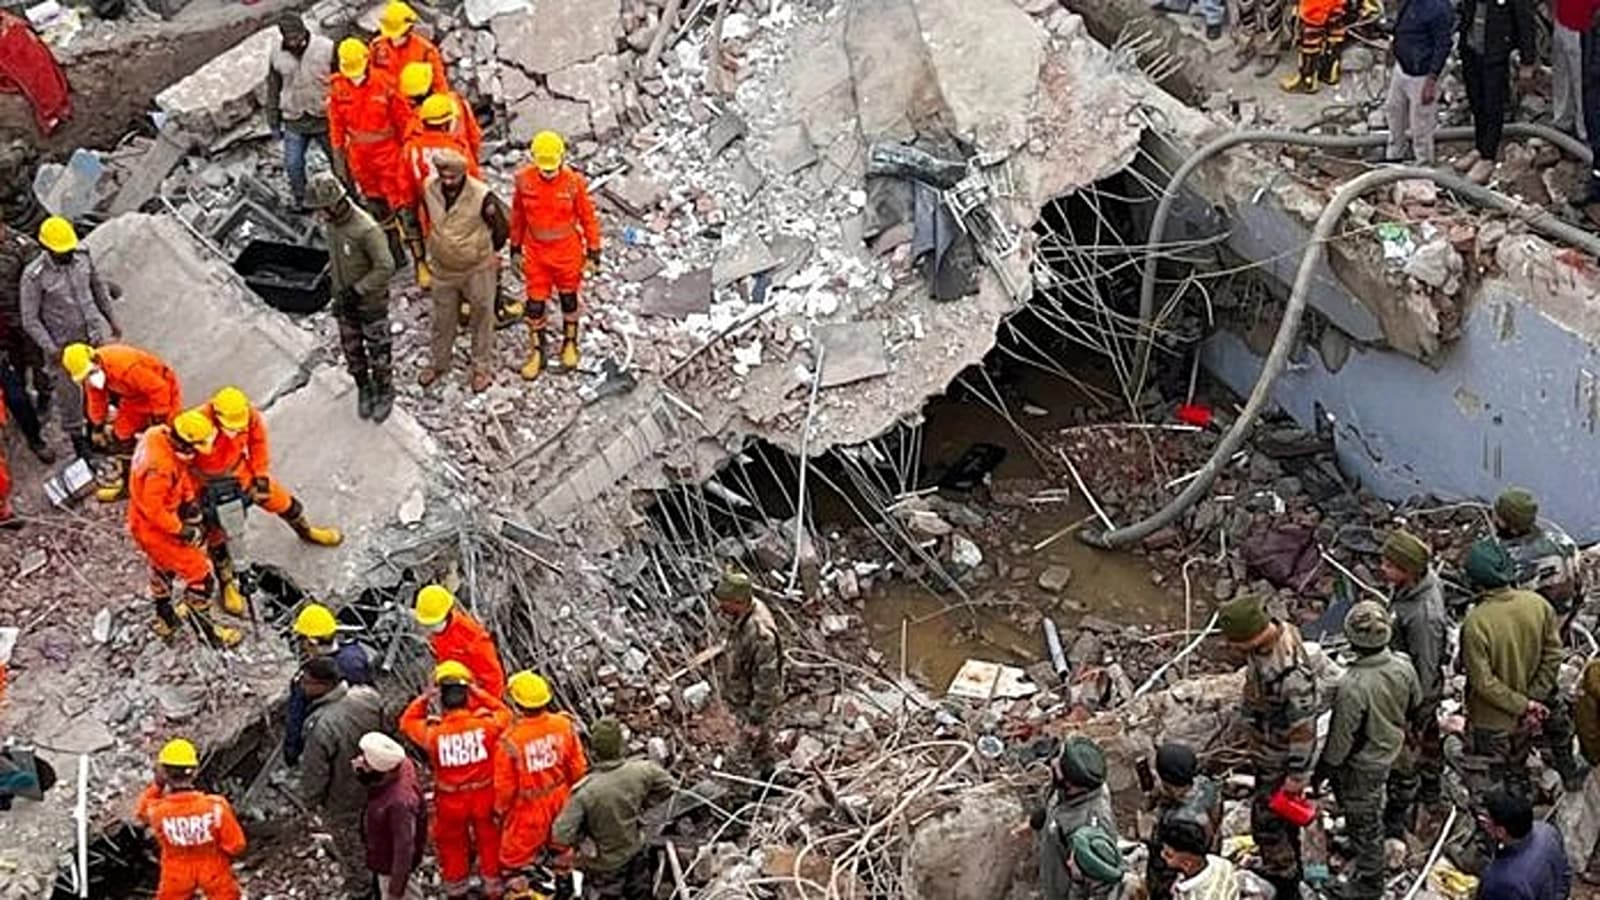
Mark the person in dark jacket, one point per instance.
(395, 825)
(1422, 36)
(21, 360)
(319, 637)
(1490, 30)
(336, 718)
(1530, 862)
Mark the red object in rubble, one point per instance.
(27, 67)
(1194, 414)
(1294, 809)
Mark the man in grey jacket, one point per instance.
(329, 785)
(64, 301)
(297, 98)
(1077, 798)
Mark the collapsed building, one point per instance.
(820, 218)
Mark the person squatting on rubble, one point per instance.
(1420, 628)
(337, 716)
(125, 391)
(367, 119)
(1180, 794)
(605, 810)
(361, 266)
(1279, 706)
(197, 832)
(459, 725)
(453, 634)
(1076, 798)
(64, 301)
(297, 98)
(1423, 34)
(318, 634)
(165, 521)
(554, 227)
(1489, 30)
(1546, 559)
(539, 760)
(1322, 31)
(465, 226)
(23, 366)
(752, 670)
(394, 824)
(1530, 858)
(1377, 700)
(1198, 872)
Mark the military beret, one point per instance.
(733, 585)
(605, 739)
(1367, 625)
(1517, 509)
(1489, 565)
(1095, 854)
(1242, 618)
(1082, 763)
(1407, 551)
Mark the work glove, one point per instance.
(193, 535)
(99, 436)
(191, 513)
(592, 266)
(260, 490)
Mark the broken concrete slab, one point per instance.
(220, 94)
(479, 12)
(729, 127)
(792, 252)
(637, 191)
(895, 87)
(690, 293)
(534, 114)
(748, 177)
(170, 146)
(748, 257)
(592, 83)
(554, 34)
(792, 149)
(986, 58)
(643, 269)
(515, 84)
(852, 351)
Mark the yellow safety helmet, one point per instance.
(416, 79)
(528, 690)
(195, 427)
(434, 603)
(315, 622)
(451, 672)
(352, 58)
(57, 235)
(232, 408)
(396, 19)
(548, 150)
(78, 360)
(437, 109)
(179, 754)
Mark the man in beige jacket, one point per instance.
(465, 225)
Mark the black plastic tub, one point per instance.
(289, 277)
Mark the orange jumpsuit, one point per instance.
(390, 58)
(465, 640)
(146, 391)
(418, 160)
(5, 473)
(199, 837)
(461, 745)
(554, 223)
(540, 760)
(159, 484)
(367, 122)
(465, 128)
(246, 457)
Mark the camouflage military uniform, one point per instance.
(1280, 708)
(1421, 626)
(752, 678)
(1547, 563)
(1201, 804)
(1062, 816)
(361, 267)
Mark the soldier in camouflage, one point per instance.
(1076, 799)
(1420, 625)
(1546, 559)
(1280, 708)
(752, 674)
(1377, 700)
(1181, 795)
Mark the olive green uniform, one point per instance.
(361, 266)
(1062, 816)
(1547, 563)
(752, 677)
(1280, 708)
(1421, 627)
(605, 807)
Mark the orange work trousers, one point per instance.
(172, 557)
(131, 419)
(5, 482)
(527, 826)
(463, 822)
(552, 267)
(207, 872)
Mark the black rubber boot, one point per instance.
(383, 401)
(365, 398)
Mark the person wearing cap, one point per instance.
(1076, 798)
(417, 85)
(752, 664)
(605, 810)
(337, 715)
(1511, 651)
(465, 226)
(367, 119)
(1546, 559)
(394, 825)
(64, 301)
(361, 264)
(1200, 874)
(318, 632)
(454, 634)
(297, 97)
(399, 44)
(1280, 706)
(1095, 867)
(540, 759)
(1377, 700)
(146, 391)
(1181, 794)
(1421, 625)
(197, 832)
(458, 726)
(555, 229)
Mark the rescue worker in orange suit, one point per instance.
(417, 83)
(456, 636)
(398, 44)
(553, 225)
(367, 120)
(540, 759)
(241, 456)
(164, 519)
(1322, 35)
(144, 388)
(432, 133)
(8, 516)
(461, 739)
(197, 832)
